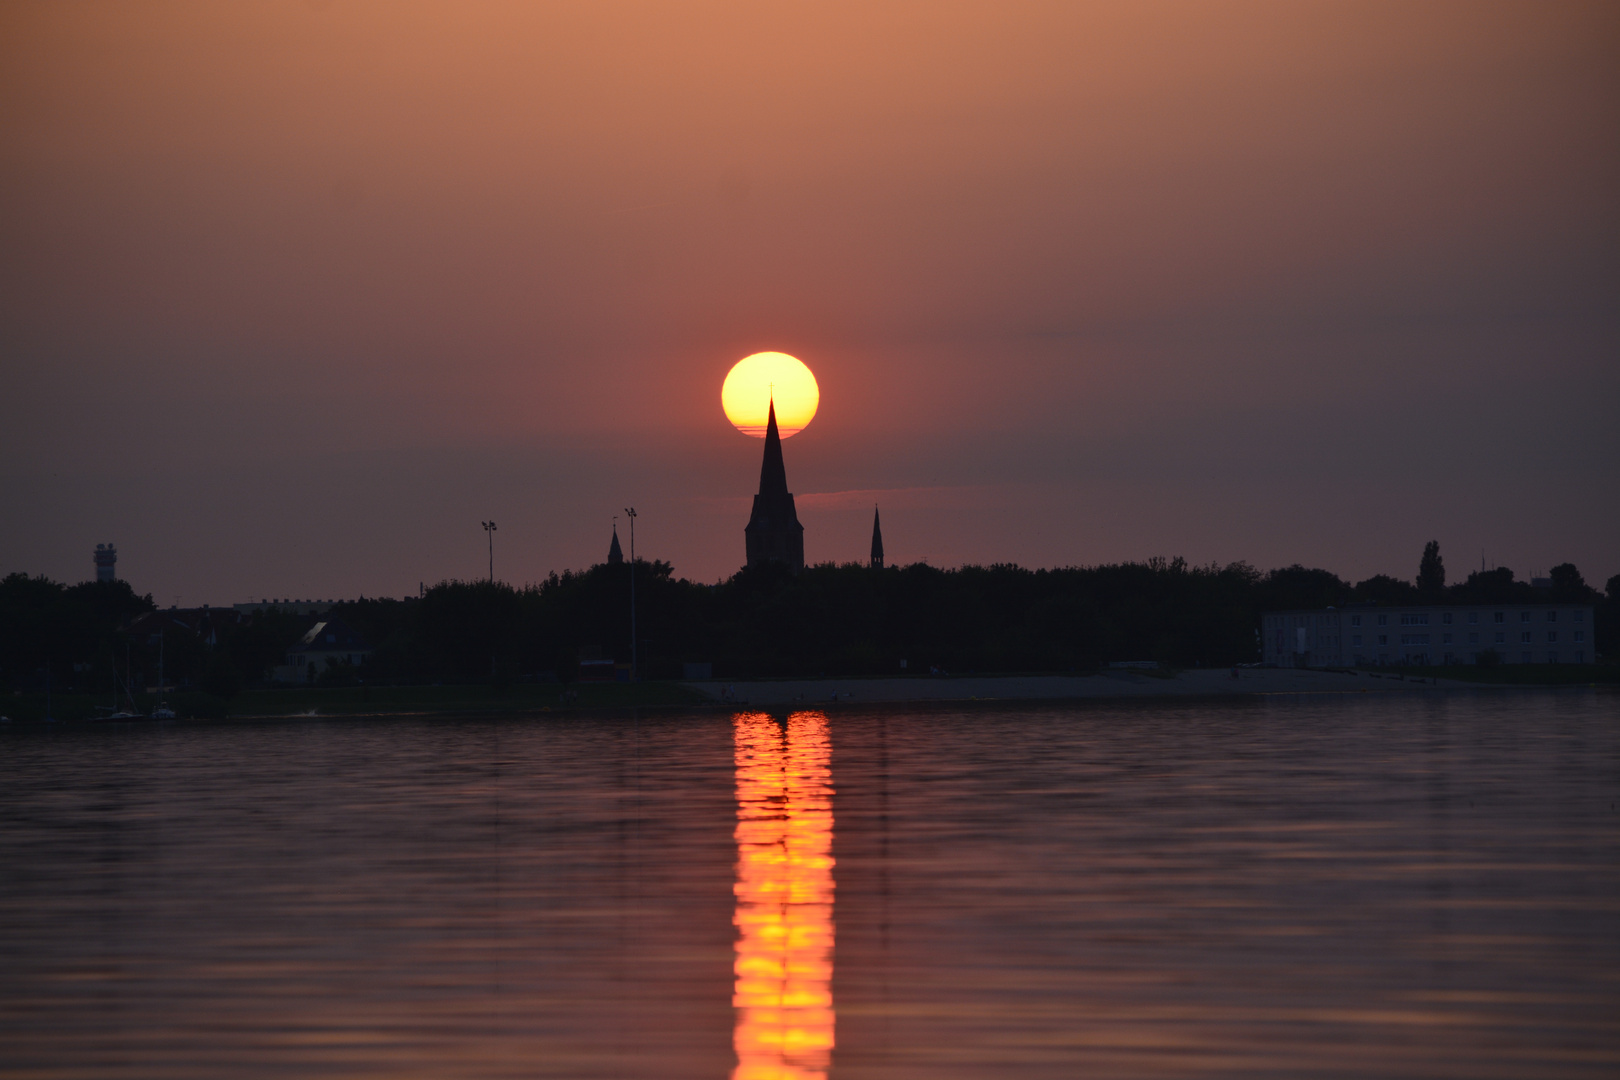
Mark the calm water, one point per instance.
(1398, 887)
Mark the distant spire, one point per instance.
(772, 473)
(615, 555)
(877, 540)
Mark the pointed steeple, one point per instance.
(877, 541)
(774, 533)
(772, 473)
(615, 553)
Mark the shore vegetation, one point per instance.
(540, 643)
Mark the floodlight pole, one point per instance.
(630, 512)
(489, 531)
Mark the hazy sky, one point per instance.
(295, 294)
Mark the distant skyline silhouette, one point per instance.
(299, 295)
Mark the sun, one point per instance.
(747, 393)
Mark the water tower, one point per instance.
(106, 559)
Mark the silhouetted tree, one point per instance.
(1431, 579)
(43, 623)
(1490, 587)
(260, 642)
(469, 627)
(1298, 587)
(1567, 581)
(1383, 589)
(1606, 634)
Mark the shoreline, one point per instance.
(719, 695)
(1106, 686)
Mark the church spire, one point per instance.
(877, 541)
(772, 473)
(774, 533)
(615, 553)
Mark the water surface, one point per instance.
(1405, 886)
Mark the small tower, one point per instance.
(106, 560)
(774, 533)
(615, 553)
(877, 541)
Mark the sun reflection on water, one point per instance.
(784, 896)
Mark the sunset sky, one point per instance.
(296, 294)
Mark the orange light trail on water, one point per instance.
(784, 897)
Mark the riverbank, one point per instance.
(516, 698)
(532, 698)
(1110, 684)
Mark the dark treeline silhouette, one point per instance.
(830, 619)
(63, 629)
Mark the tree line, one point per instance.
(830, 619)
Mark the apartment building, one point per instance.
(1419, 635)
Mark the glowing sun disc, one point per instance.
(746, 395)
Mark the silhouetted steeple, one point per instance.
(615, 554)
(774, 533)
(772, 473)
(877, 541)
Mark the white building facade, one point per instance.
(1421, 635)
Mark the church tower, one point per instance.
(615, 553)
(774, 533)
(877, 541)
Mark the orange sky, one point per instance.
(296, 294)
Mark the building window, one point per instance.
(1552, 636)
(1473, 658)
(1524, 638)
(1473, 617)
(1383, 639)
(1355, 639)
(1501, 616)
(1445, 639)
(1414, 639)
(1501, 638)
(1577, 615)
(1450, 659)
(1473, 638)
(1552, 616)
(1355, 620)
(1383, 620)
(1580, 656)
(1446, 618)
(1415, 620)
(1580, 635)
(1552, 657)
(1524, 616)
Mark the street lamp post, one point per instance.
(630, 512)
(489, 531)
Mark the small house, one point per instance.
(329, 643)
